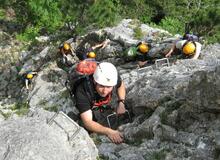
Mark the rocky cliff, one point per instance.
(176, 107)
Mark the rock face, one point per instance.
(181, 110)
(176, 107)
(32, 138)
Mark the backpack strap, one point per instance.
(88, 89)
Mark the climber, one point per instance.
(91, 55)
(140, 53)
(66, 57)
(84, 53)
(185, 49)
(93, 96)
(28, 77)
(66, 49)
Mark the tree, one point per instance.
(103, 13)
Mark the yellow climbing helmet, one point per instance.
(91, 55)
(66, 46)
(30, 76)
(189, 48)
(143, 48)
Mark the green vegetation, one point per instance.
(96, 139)
(52, 108)
(160, 155)
(2, 14)
(47, 106)
(20, 108)
(170, 107)
(173, 25)
(101, 157)
(49, 16)
(137, 142)
(103, 13)
(64, 94)
(138, 33)
(5, 115)
(29, 34)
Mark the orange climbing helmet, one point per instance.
(189, 48)
(91, 55)
(66, 46)
(29, 76)
(143, 48)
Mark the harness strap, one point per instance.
(88, 89)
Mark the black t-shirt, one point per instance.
(142, 57)
(83, 97)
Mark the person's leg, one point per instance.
(27, 84)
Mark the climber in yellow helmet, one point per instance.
(91, 55)
(84, 52)
(185, 49)
(66, 49)
(28, 77)
(139, 53)
(66, 55)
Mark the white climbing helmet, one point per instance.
(106, 74)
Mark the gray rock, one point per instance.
(176, 108)
(132, 157)
(187, 138)
(2, 118)
(165, 133)
(32, 138)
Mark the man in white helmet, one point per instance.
(95, 93)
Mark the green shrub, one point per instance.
(103, 13)
(102, 157)
(158, 155)
(138, 9)
(29, 34)
(5, 115)
(172, 25)
(138, 34)
(51, 108)
(45, 14)
(37, 17)
(2, 14)
(20, 108)
(215, 38)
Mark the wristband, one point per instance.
(121, 100)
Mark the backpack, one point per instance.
(191, 37)
(83, 70)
